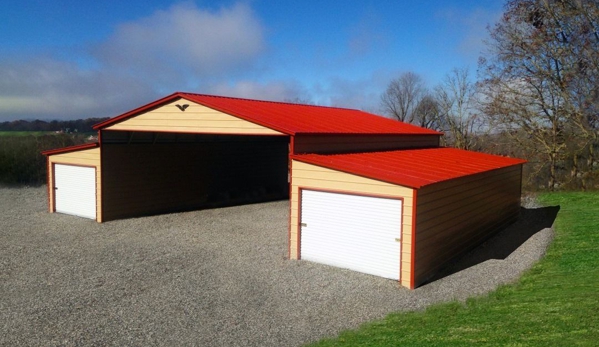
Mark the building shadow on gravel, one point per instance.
(505, 242)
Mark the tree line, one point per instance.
(535, 95)
(78, 125)
(21, 160)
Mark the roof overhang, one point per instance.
(71, 148)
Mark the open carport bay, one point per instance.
(215, 277)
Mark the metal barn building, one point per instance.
(366, 193)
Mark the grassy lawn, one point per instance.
(556, 303)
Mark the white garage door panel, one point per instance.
(351, 231)
(75, 190)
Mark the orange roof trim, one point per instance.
(414, 168)
(289, 118)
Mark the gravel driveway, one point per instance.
(205, 278)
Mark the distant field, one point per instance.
(39, 133)
(25, 133)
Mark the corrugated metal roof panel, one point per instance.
(290, 118)
(412, 168)
(295, 118)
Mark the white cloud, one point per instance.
(363, 93)
(44, 88)
(273, 90)
(180, 48)
(186, 41)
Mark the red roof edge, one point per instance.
(134, 112)
(432, 133)
(302, 158)
(71, 148)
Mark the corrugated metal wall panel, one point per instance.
(351, 231)
(75, 190)
(335, 143)
(457, 215)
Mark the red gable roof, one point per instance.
(289, 118)
(412, 168)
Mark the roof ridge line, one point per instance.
(378, 150)
(269, 101)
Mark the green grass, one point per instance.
(556, 303)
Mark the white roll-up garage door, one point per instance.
(355, 232)
(75, 190)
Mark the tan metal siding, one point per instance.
(145, 179)
(454, 216)
(86, 157)
(315, 177)
(324, 144)
(195, 119)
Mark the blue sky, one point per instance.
(66, 59)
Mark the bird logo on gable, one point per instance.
(182, 107)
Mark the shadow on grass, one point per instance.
(505, 242)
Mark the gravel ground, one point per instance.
(205, 278)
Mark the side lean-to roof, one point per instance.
(288, 118)
(71, 148)
(414, 168)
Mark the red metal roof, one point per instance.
(414, 168)
(71, 148)
(289, 118)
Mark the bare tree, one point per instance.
(402, 96)
(426, 113)
(540, 77)
(455, 98)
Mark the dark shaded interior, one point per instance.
(152, 173)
